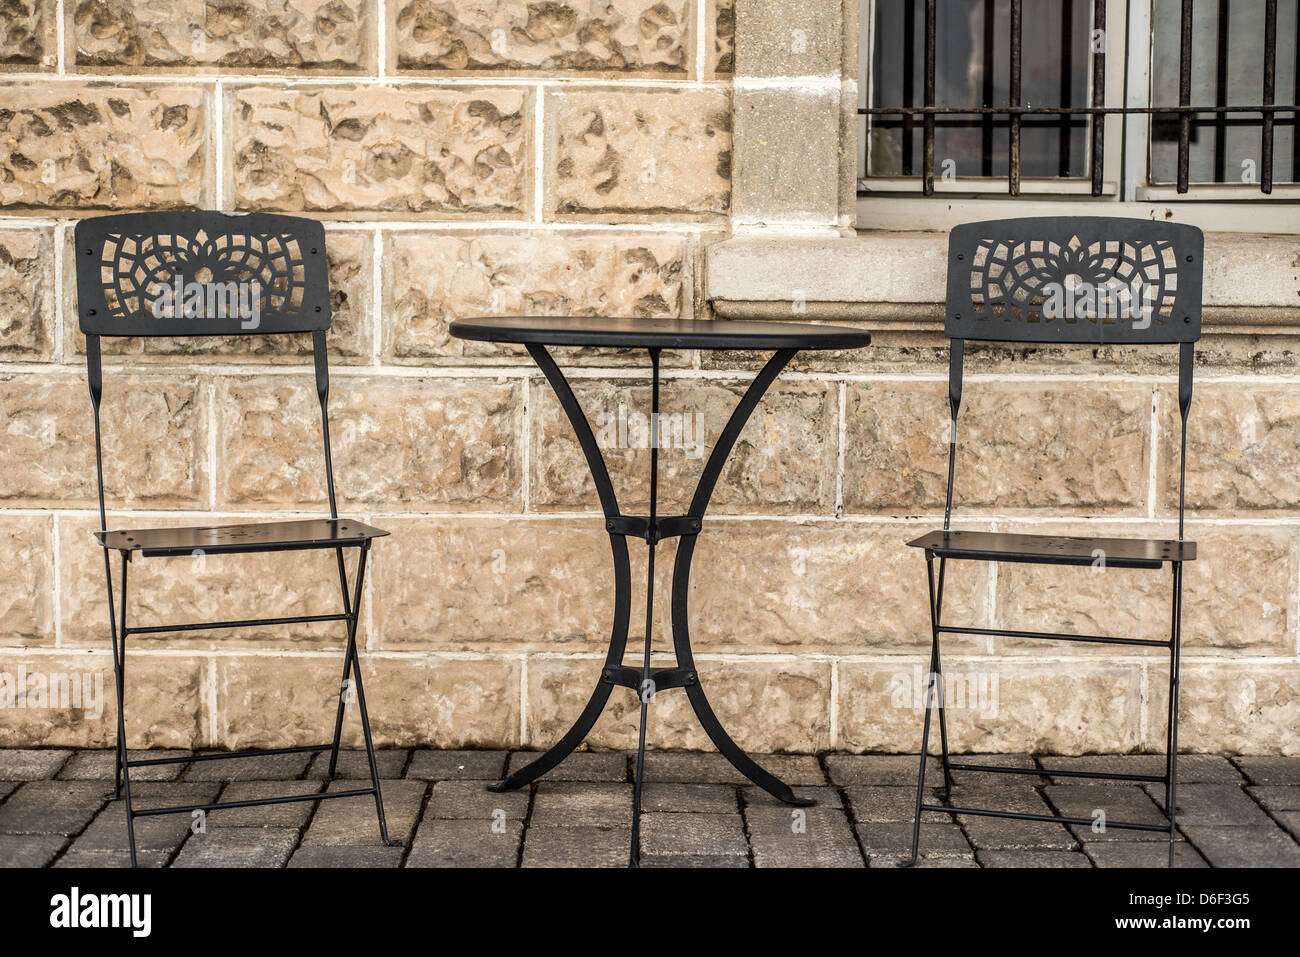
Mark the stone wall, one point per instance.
(502, 157)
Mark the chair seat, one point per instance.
(1055, 549)
(231, 539)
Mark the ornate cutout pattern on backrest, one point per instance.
(1075, 279)
(182, 273)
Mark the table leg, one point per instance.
(622, 581)
(684, 675)
(681, 587)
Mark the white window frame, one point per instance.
(1225, 207)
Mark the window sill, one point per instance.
(1252, 280)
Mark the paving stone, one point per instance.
(1291, 821)
(580, 804)
(1032, 859)
(293, 815)
(1143, 854)
(1121, 802)
(824, 841)
(99, 859)
(1245, 846)
(100, 766)
(699, 767)
(52, 807)
(452, 765)
(674, 797)
(884, 803)
(710, 835)
(29, 850)
(163, 832)
(346, 855)
(891, 770)
(1270, 769)
(796, 770)
(7, 788)
(993, 761)
(354, 765)
(755, 796)
(466, 843)
(1277, 798)
(271, 767)
(577, 847)
(353, 820)
(30, 764)
(925, 862)
(893, 840)
(239, 847)
(472, 799)
(579, 766)
(1213, 805)
(1192, 768)
(992, 833)
(694, 861)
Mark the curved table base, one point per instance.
(653, 530)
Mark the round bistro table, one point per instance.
(784, 340)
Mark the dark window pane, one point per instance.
(1228, 70)
(972, 55)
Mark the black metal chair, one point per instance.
(1064, 280)
(217, 274)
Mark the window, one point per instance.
(1154, 99)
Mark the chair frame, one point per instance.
(994, 309)
(106, 308)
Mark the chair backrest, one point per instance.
(1085, 279)
(1074, 279)
(202, 273)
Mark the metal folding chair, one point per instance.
(216, 274)
(1064, 280)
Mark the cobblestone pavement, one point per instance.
(57, 809)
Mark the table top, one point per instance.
(661, 333)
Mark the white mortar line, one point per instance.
(523, 700)
(701, 39)
(219, 141)
(1154, 452)
(539, 149)
(994, 611)
(809, 519)
(685, 227)
(55, 540)
(879, 658)
(368, 602)
(786, 83)
(835, 704)
(1144, 699)
(59, 241)
(377, 297)
(526, 442)
(381, 41)
(839, 460)
(60, 37)
(417, 82)
(214, 715)
(212, 444)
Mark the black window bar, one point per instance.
(1068, 117)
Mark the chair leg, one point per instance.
(936, 668)
(122, 782)
(355, 663)
(634, 854)
(930, 692)
(347, 667)
(1171, 757)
